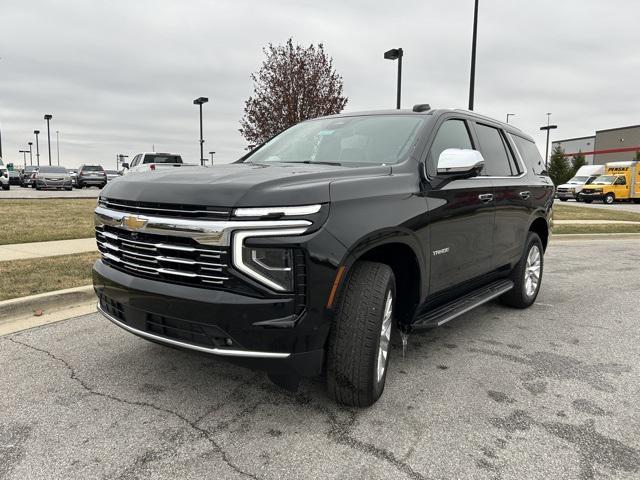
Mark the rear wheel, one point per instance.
(563, 199)
(587, 201)
(609, 198)
(359, 341)
(6, 187)
(527, 275)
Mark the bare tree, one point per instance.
(293, 84)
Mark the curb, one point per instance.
(595, 236)
(47, 302)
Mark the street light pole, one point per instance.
(396, 54)
(30, 154)
(510, 115)
(24, 157)
(48, 117)
(37, 147)
(58, 145)
(472, 79)
(199, 101)
(547, 127)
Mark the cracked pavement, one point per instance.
(548, 392)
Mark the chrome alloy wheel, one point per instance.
(532, 271)
(385, 336)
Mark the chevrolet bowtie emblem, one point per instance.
(134, 223)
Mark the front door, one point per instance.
(461, 214)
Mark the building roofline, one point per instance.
(572, 139)
(619, 128)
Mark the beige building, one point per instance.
(616, 144)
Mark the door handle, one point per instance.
(485, 197)
(525, 195)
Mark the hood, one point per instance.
(236, 185)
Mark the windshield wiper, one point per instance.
(309, 162)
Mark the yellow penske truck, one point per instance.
(620, 182)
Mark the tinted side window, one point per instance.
(452, 134)
(496, 161)
(530, 154)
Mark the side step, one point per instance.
(457, 307)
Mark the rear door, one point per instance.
(513, 202)
(461, 216)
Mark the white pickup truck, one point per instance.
(151, 161)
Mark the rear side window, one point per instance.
(494, 151)
(452, 134)
(530, 154)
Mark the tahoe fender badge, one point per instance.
(442, 251)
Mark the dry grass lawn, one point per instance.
(605, 228)
(19, 278)
(45, 219)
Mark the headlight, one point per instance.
(271, 266)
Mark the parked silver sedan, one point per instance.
(52, 177)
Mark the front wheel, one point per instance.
(609, 198)
(359, 341)
(527, 275)
(564, 199)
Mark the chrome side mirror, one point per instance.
(463, 162)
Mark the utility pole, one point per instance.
(58, 145)
(48, 117)
(548, 127)
(30, 154)
(199, 101)
(37, 147)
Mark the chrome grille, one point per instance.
(163, 258)
(166, 209)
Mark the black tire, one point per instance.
(37, 188)
(587, 201)
(354, 339)
(518, 297)
(6, 187)
(609, 198)
(68, 189)
(563, 199)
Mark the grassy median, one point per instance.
(19, 278)
(569, 212)
(45, 219)
(602, 228)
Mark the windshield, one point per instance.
(349, 141)
(579, 180)
(159, 158)
(53, 170)
(604, 180)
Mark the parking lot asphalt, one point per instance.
(549, 392)
(20, 192)
(625, 206)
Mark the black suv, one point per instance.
(304, 255)
(89, 175)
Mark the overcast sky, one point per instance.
(120, 76)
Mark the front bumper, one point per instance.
(591, 196)
(567, 195)
(215, 322)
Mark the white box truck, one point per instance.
(584, 176)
